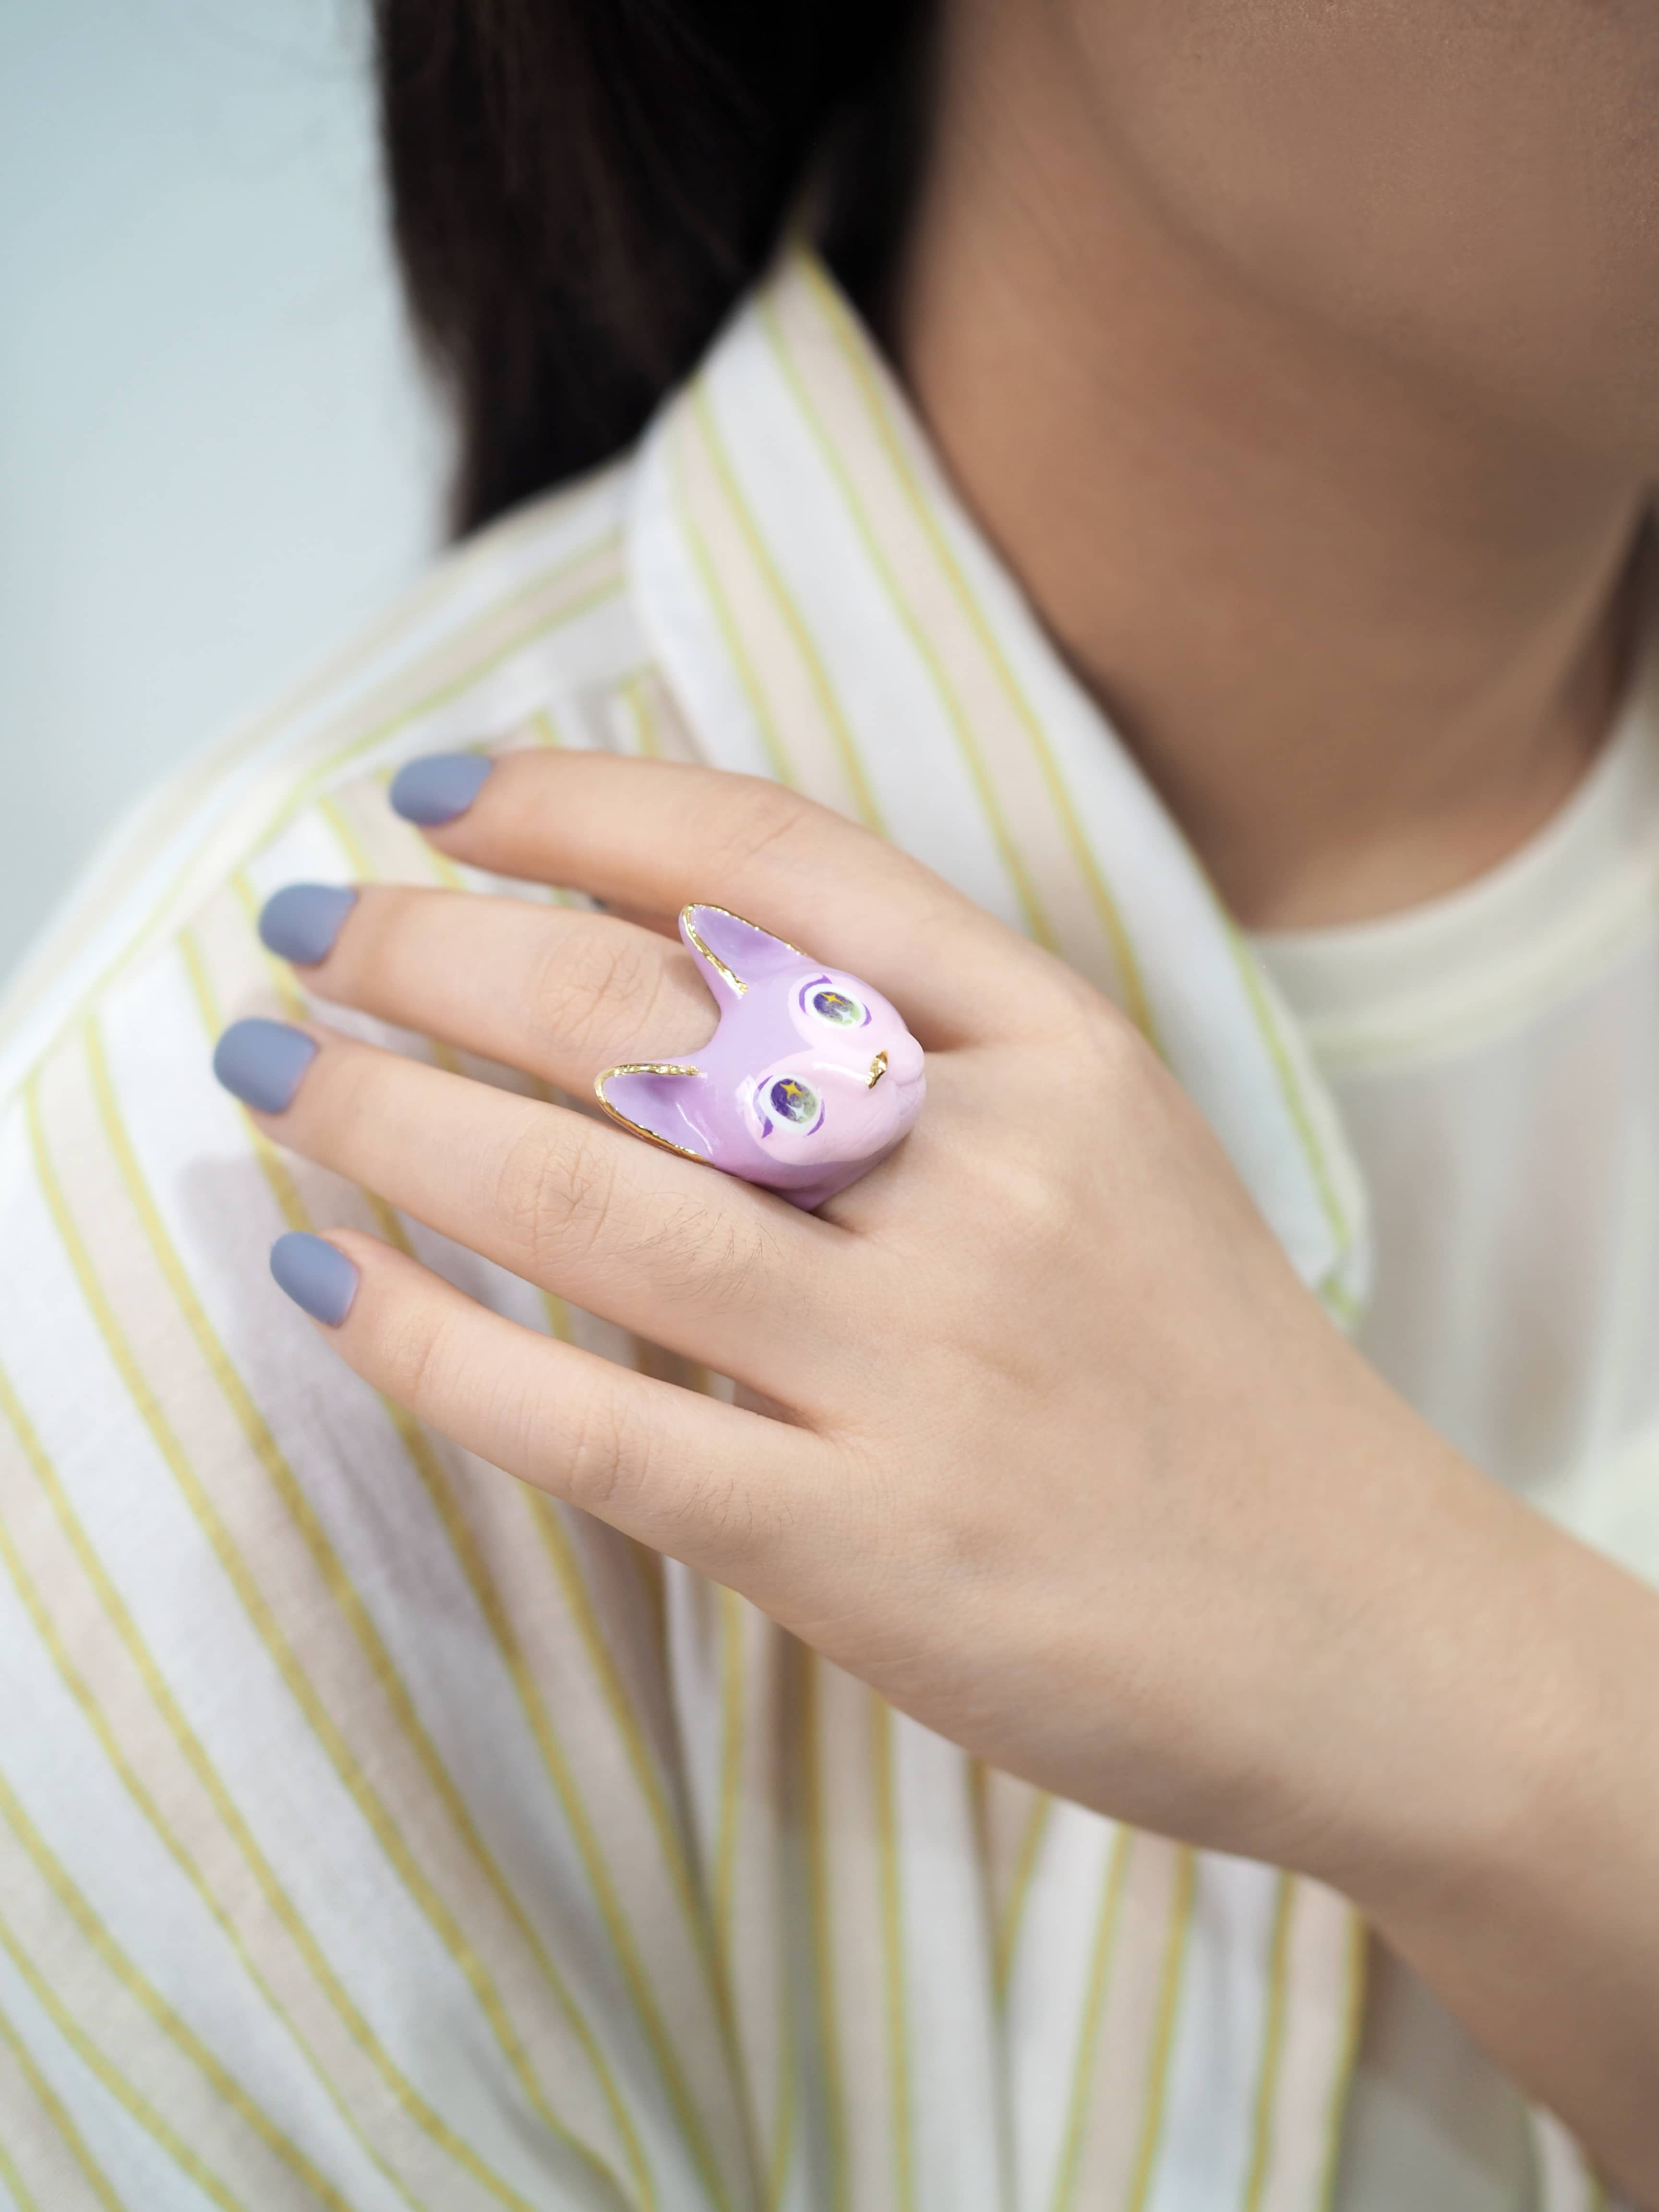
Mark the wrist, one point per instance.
(1502, 1747)
(1514, 1872)
(1475, 1699)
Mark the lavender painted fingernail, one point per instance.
(261, 1063)
(436, 789)
(316, 1275)
(301, 922)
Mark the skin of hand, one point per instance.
(1039, 1433)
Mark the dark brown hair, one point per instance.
(582, 189)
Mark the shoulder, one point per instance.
(138, 1203)
(525, 634)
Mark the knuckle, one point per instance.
(1129, 1078)
(566, 1195)
(343, 1089)
(554, 1193)
(1079, 1015)
(586, 979)
(416, 1349)
(378, 932)
(715, 1261)
(718, 1516)
(1030, 1171)
(757, 818)
(613, 1461)
(1028, 1195)
(1106, 1059)
(387, 946)
(603, 1455)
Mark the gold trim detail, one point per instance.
(878, 1069)
(735, 980)
(638, 1128)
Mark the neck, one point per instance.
(1363, 639)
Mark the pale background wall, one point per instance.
(215, 455)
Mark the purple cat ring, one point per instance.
(810, 1078)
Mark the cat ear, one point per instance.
(659, 1102)
(734, 953)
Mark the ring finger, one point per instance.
(699, 1262)
(557, 991)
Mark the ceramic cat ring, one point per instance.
(810, 1078)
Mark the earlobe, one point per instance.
(734, 953)
(657, 1100)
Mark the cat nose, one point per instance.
(902, 1060)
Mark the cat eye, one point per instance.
(836, 1006)
(794, 1101)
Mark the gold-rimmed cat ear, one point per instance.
(735, 952)
(649, 1097)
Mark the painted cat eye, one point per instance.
(836, 1006)
(794, 1101)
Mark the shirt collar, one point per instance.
(828, 614)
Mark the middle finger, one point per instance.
(557, 991)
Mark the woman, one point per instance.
(973, 1763)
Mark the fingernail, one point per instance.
(261, 1063)
(439, 788)
(316, 1275)
(301, 922)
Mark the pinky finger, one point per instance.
(710, 1484)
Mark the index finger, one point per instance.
(653, 836)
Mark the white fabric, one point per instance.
(1495, 1056)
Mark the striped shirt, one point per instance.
(375, 1832)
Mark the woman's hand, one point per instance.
(1040, 1435)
